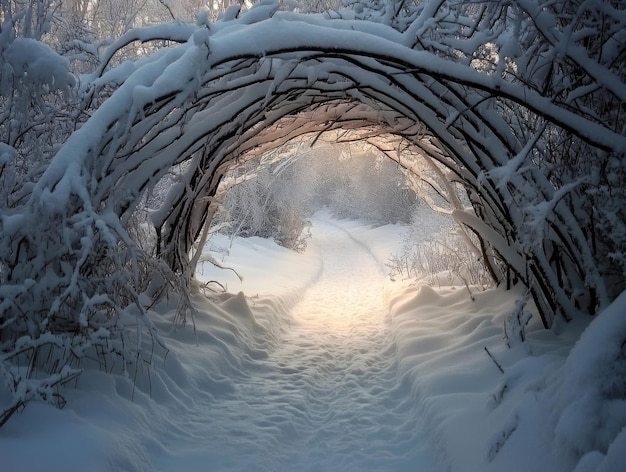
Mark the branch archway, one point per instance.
(258, 79)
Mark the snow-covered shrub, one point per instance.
(432, 247)
(363, 186)
(64, 294)
(270, 202)
(35, 85)
(67, 273)
(276, 200)
(515, 322)
(589, 397)
(37, 98)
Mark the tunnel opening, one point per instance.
(437, 178)
(241, 103)
(275, 195)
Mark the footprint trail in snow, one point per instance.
(328, 397)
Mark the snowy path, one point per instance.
(363, 375)
(328, 398)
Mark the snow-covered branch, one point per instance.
(521, 102)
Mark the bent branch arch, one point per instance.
(257, 80)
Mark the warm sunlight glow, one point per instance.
(347, 301)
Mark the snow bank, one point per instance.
(558, 405)
(551, 410)
(441, 336)
(257, 266)
(589, 404)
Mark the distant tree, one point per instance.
(276, 200)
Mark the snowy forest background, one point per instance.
(132, 130)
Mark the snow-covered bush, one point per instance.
(276, 200)
(63, 303)
(37, 99)
(362, 186)
(34, 80)
(433, 248)
(67, 273)
(271, 202)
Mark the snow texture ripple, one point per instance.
(329, 396)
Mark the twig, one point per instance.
(165, 4)
(494, 360)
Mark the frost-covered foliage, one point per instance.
(36, 99)
(270, 201)
(436, 250)
(520, 103)
(35, 88)
(275, 200)
(68, 272)
(364, 186)
(558, 226)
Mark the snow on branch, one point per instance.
(520, 101)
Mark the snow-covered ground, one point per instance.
(328, 396)
(322, 363)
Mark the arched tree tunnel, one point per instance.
(441, 81)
